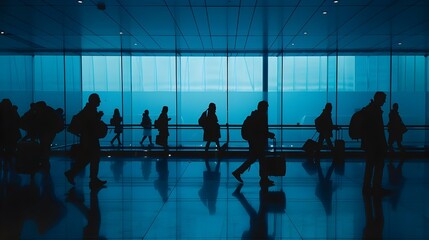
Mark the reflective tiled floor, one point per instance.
(176, 198)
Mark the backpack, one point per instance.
(202, 121)
(356, 124)
(318, 122)
(146, 122)
(101, 129)
(75, 126)
(246, 128)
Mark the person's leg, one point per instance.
(113, 139)
(329, 143)
(246, 164)
(150, 140)
(207, 146)
(243, 167)
(94, 166)
(378, 171)
(263, 168)
(399, 142)
(95, 182)
(144, 138)
(320, 140)
(390, 141)
(119, 138)
(80, 163)
(217, 144)
(320, 146)
(369, 168)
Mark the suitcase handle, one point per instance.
(274, 145)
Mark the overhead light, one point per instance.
(121, 33)
(293, 44)
(336, 1)
(80, 1)
(324, 12)
(2, 33)
(305, 33)
(399, 43)
(135, 44)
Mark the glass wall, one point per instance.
(297, 89)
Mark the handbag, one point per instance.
(157, 140)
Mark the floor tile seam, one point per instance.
(172, 189)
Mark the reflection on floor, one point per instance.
(176, 198)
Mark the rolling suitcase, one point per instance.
(310, 147)
(276, 164)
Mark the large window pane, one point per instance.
(202, 81)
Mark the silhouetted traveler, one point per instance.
(211, 126)
(374, 144)
(147, 128)
(49, 123)
(89, 143)
(162, 126)
(9, 127)
(258, 141)
(27, 123)
(116, 121)
(396, 128)
(325, 126)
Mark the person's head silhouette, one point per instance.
(263, 106)
(94, 100)
(379, 98)
(328, 107)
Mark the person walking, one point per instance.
(162, 126)
(116, 121)
(90, 125)
(325, 126)
(396, 128)
(258, 141)
(147, 128)
(211, 127)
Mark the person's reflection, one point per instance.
(117, 168)
(18, 204)
(397, 180)
(92, 214)
(374, 217)
(50, 209)
(146, 168)
(268, 201)
(310, 166)
(209, 190)
(161, 184)
(325, 188)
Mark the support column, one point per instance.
(265, 76)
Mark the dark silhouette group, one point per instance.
(41, 124)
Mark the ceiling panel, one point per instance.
(183, 16)
(214, 25)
